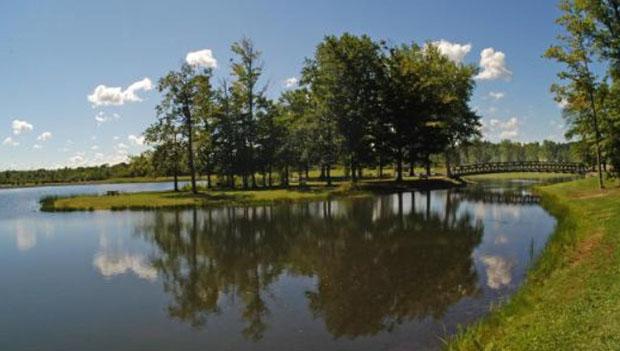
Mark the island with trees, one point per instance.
(364, 115)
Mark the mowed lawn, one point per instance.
(571, 299)
(152, 200)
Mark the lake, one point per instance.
(389, 272)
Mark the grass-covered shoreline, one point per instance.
(571, 297)
(221, 197)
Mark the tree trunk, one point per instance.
(190, 146)
(176, 179)
(448, 170)
(399, 166)
(597, 135)
(328, 174)
(428, 165)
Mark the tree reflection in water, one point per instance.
(377, 262)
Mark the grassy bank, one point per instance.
(212, 198)
(571, 299)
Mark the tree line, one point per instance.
(144, 165)
(589, 88)
(359, 103)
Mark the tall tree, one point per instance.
(184, 92)
(246, 70)
(583, 91)
(164, 136)
(345, 74)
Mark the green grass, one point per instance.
(211, 198)
(571, 299)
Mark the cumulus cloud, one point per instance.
(26, 239)
(116, 96)
(493, 65)
(497, 95)
(499, 271)
(496, 129)
(110, 265)
(562, 104)
(454, 51)
(77, 160)
(37, 147)
(102, 117)
(136, 140)
(202, 58)
(10, 142)
(291, 82)
(45, 136)
(20, 127)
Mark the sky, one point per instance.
(78, 78)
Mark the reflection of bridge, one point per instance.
(505, 198)
(522, 166)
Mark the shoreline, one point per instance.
(238, 197)
(570, 296)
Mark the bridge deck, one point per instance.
(523, 166)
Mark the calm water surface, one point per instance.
(392, 272)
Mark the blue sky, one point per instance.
(54, 53)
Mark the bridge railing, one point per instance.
(519, 166)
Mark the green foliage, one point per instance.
(511, 151)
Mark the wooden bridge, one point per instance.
(522, 166)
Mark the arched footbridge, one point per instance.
(523, 166)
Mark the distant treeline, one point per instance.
(145, 165)
(70, 175)
(509, 151)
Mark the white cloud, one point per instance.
(496, 129)
(37, 147)
(116, 96)
(121, 146)
(291, 82)
(203, 58)
(77, 160)
(136, 140)
(102, 117)
(110, 265)
(562, 104)
(94, 147)
(497, 95)
(45, 136)
(20, 127)
(499, 271)
(10, 142)
(454, 51)
(26, 239)
(501, 239)
(493, 65)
